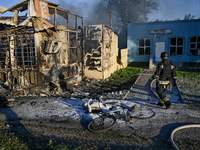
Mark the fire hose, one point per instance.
(178, 128)
(151, 85)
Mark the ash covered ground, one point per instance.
(66, 111)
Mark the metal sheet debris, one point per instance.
(31, 9)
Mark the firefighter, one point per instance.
(165, 70)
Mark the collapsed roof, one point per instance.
(38, 12)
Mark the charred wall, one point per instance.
(101, 47)
(63, 62)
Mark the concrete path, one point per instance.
(140, 91)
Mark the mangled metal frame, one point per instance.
(22, 34)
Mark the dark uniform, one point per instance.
(165, 70)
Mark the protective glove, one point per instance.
(175, 83)
(150, 79)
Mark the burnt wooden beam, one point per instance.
(55, 18)
(65, 11)
(11, 84)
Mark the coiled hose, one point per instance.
(178, 128)
(151, 85)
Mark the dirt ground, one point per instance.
(65, 121)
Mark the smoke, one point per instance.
(93, 12)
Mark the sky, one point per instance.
(170, 9)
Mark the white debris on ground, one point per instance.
(46, 108)
(140, 94)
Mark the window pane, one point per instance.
(180, 41)
(141, 43)
(194, 52)
(173, 51)
(141, 51)
(147, 51)
(179, 50)
(198, 38)
(192, 45)
(193, 39)
(173, 41)
(148, 42)
(198, 45)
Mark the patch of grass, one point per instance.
(188, 75)
(10, 141)
(121, 79)
(45, 138)
(187, 144)
(189, 82)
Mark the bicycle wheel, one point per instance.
(142, 113)
(101, 123)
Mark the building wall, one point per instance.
(54, 65)
(110, 51)
(93, 51)
(101, 47)
(185, 29)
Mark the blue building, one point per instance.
(181, 39)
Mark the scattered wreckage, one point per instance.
(111, 111)
(49, 49)
(40, 50)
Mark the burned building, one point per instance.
(46, 45)
(101, 52)
(50, 45)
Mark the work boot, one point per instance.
(160, 103)
(168, 104)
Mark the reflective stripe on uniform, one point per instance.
(174, 77)
(165, 100)
(163, 82)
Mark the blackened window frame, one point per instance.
(196, 45)
(176, 46)
(145, 46)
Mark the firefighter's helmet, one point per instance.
(164, 54)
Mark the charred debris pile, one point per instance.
(114, 87)
(87, 88)
(49, 52)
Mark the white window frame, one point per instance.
(144, 46)
(195, 48)
(176, 46)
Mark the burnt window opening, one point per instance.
(22, 47)
(195, 46)
(144, 48)
(176, 46)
